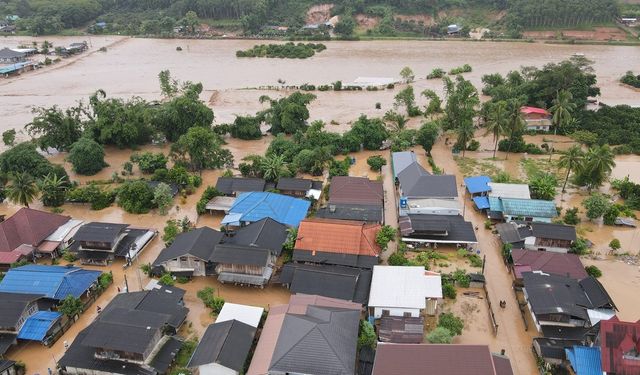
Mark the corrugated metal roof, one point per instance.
(509, 190)
(401, 160)
(255, 206)
(585, 360)
(523, 207)
(477, 184)
(481, 202)
(54, 282)
(338, 236)
(35, 328)
(406, 287)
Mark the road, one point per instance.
(390, 205)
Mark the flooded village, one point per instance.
(439, 206)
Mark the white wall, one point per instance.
(394, 311)
(216, 369)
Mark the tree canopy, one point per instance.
(87, 157)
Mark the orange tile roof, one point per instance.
(338, 236)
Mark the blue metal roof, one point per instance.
(481, 202)
(585, 360)
(54, 282)
(523, 207)
(477, 184)
(255, 206)
(37, 325)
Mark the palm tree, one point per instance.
(53, 190)
(599, 162)
(273, 167)
(515, 122)
(571, 159)
(562, 109)
(497, 122)
(396, 121)
(22, 189)
(465, 133)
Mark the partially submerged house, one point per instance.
(437, 229)
(537, 119)
(22, 316)
(550, 237)
(311, 335)
(300, 187)
(404, 291)
(100, 243)
(516, 209)
(52, 282)
(620, 347)
(234, 186)
(584, 360)
(9, 56)
(190, 253)
(132, 335)
(411, 359)
(546, 262)
(356, 191)
(368, 213)
(255, 206)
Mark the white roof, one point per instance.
(434, 203)
(403, 287)
(373, 81)
(596, 315)
(24, 50)
(250, 315)
(500, 190)
(220, 203)
(314, 193)
(64, 230)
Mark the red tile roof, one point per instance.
(28, 226)
(355, 190)
(10, 257)
(338, 236)
(529, 110)
(619, 340)
(548, 262)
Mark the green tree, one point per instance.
(273, 167)
(465, 133)
(454, 324)
(149, 162)
(170, 232)
(397, 121)
(435, 104)
(135, 197)
(615, 244)
(166, 279)
(87, 157)
(370, 133)
(345, 26)
(597, 166)
(163, 198)
(54, 128)
(168, 85)
(71, 306)
(596, 205)
(407, 74)
(208, 194)
(190, 21)
(570, 160)
(24, 157)
(515, 125)
(53, 189)
(287, 115)
(427, 135)
(181, 113)
(440, 335)
(407, 98)
(593, 271)
(22, 189)
(543, 187)
(246, 127)
(376, 162)
(200, 148)
(497, 123)
(367, 337)
(571, 216)
(9, 137)
(386, 234)
(562, 109)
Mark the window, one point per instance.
(386, 312)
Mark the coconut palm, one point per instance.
(562, 109)
(395, 120)
(570, 160)
(22, 189)
(497, 122)
(598, 164)
(515, 122)
(273, 167)
(465, 134)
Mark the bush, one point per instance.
(386, 234)
(339, 168)
(209, 193)
(146, 268)
(579, 247)
(166, 279)
(449, 291)
(71, 306)
(376, 162)
(593, 271)
(105, 280)
(207, 295)
(571, 216)
(461, 277)
(135, 197)
(98, 198)
(149, 162)
(367, 336)
(69, 256)
(615, 244)
(398, 259)
(436, 73)
(452, 323)
(440, 335)
(87, 157)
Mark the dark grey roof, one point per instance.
(554, 231)
(119, 336)
(565, 333)
(231, 185)
(554, 348)
(166, 355)
(449, 228)
(553, 294)
(416, 182)
(7, 53)
(294, 184)
(135, 318)
(6, 364)
(226, 343)
(12, 307)
(340, 259)
(323, 341)
(350, 284)
(511, 233)
(596, 293)
(165, 300)
(199, 243)
(266, 233)
(99, 232)
(368, 213)
(6, 340)
(245, 255)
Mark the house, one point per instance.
(356, 191)
(300, 187)
(9, 56)
(190, 253)
(536, 118)
(368, 213)
(400, 329)
(250, 315)
(221, 204)
(557, 238)
(337, 242)
(233, 186)
(132, 335)
(243, 264)
(620, 347)
(584, 360)
(346, 283)
(99, 243)
(411, 359)
(311, 335)
(510, 209)
(546, 262)
(52, 282)
(18, 313)
(437, 229)
(400, 161)
(255, 206)
(30, 231)
(561, 301)
(223, 349)
(477, 185)
(404, 291)
(502, 190)
(8, 367)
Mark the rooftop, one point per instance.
(30, 227)
(416, 182)
(554, 231)
(266, 233)
(403, 287)
(55, 282)
(368, 213)
(437, 228)
(523, 207)
(232, 185)
(500, 190)
(620, 342)
(548, 262)
(198, 242)
(250, 315)
(401, 160)
(12, 307)
(294, 184)
(584, 360)
(255, 206)
(338, 236)
(37, 326)
(99, 232)
(225, 343)
(355, 190)
(477, 184)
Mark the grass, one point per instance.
(474, 167)
(536, 167)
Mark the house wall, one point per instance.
(215, 369)
(84, 371)
(186, 263)
(294, 193)
(10, 371)
(508, 218)
(395, 311)
(31, 309)
(240, 268)
(432, 306)
(428, 211)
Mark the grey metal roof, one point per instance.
(12, 307)
(416, 182)
(432, 228)
(350, 284)
(99, 232)
(323, 341)
(165, 300)
(266, 233)
(368, 213)
(401, 160)
(511, 233)
(7, 53)
(553, 294)
(245, 255)
(596, 293)
(294, 184)
(231, 185)
(226, 343)
(119, 336)
(340, 259)
(166, 355)
(554, 231)
(199, 242)
(6, 340)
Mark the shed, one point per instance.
(54, 282)
(220, 203)
(38, 325)
(584, 360)
(477, 184)
(255, 206)
(250, 315)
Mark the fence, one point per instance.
(492, 316)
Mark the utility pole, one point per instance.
(126, 284)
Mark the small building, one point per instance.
(620, 343)
(190, 253)
(233, 186)
(311, 335)
(477, 186)
(243, 264)
(404, 291)
(371, 214)
(250, 315)
(400, 161)
(337, 242)
(99, 243)
(220, 204)
(346, 283)
(9, 56)
(536, 119)
(401, 330)
(501, 190)
(300, 187)
(584, 360)
(411, 359)
(356, 191)
(546, 262)
(255, 206)
(557, 238)
(527, 210)
(18, 316)
(223, 349)
(437, 229)
(52, 282)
